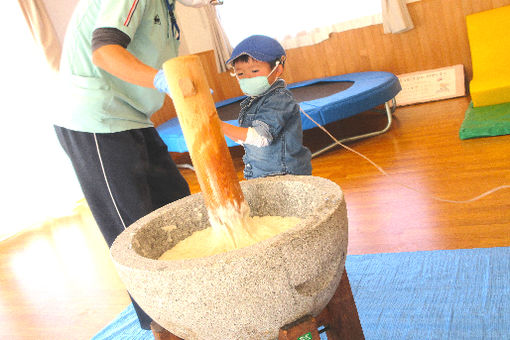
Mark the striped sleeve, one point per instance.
(132, 10)
(109, 36)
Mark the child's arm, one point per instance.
(244, 135)
(233, 132)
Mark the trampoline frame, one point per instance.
(370, 89)
(387, 109)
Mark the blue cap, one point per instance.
(259, 47)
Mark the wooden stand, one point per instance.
(340, 317)
(340, 320)
(162, 334)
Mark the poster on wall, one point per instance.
(431, 85)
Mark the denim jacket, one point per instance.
(276, 116)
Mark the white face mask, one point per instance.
(257, 85)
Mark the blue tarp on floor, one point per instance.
(443, 294)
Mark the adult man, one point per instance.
(111, 56)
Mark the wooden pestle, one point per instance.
(204, 137)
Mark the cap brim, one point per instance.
(259, 57)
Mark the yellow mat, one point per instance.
(489, 42)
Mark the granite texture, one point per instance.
(247, 293)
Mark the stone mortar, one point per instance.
(247, 293)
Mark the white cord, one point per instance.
(381, 170)
(106, 180)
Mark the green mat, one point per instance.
(486, 121)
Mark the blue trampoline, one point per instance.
(326, 100)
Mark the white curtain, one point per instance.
(37, 179)
(221, 45)
(42, 30)
(317, 35)
(201, 31)
(296, 23)
(396, 17)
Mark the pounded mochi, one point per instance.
(219, 238)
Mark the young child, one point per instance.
(269, 121)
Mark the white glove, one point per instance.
(160, 83)
(195, 3)
(253, 138)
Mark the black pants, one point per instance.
(124, 176)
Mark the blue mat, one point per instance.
(443, 294)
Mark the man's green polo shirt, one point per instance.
(94, 100)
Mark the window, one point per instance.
(286, 19)
(37, 179)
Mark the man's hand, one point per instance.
(161, 84)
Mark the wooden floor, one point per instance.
(58, 282)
